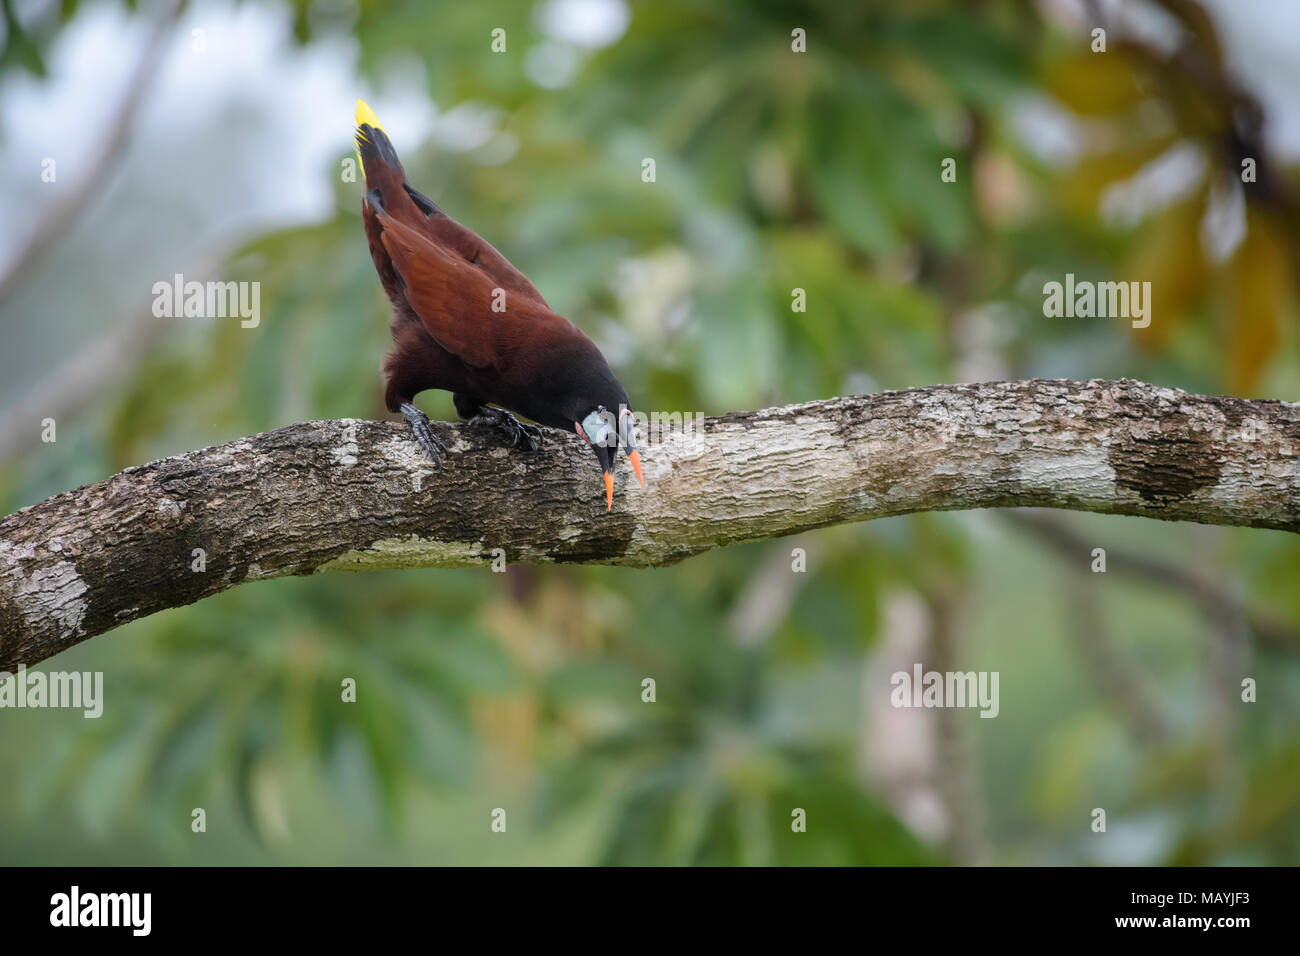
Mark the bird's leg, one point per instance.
(513, 428)
(429, 443)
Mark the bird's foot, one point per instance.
(429, 443)
(511, 427)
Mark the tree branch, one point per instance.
(355, 494)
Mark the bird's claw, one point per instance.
(513, 428)
(429, 443)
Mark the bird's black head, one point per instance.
(597, 408)
(602, 418)
(605, 431)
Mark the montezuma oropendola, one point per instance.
(467, 321)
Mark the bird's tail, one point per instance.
(375, 152)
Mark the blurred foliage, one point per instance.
(775, 171)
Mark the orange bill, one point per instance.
(609, 490)
(634, 457)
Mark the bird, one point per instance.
(467, 321)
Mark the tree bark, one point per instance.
(352, 495)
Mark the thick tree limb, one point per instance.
(355, 494)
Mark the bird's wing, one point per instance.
(454, 299)
(473, 248)
(386, 181)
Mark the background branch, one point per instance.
(72, 388)
(52, 223)
(355, 494)
(1216, 601)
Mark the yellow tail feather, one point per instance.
(366, 115)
